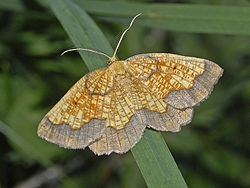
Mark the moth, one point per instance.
(109, 108)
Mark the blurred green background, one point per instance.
(212, 151)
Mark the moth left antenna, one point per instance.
(85, 49)
(130, 25)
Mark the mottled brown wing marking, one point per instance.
(203, 75)
(66, 137)
(202, 88)
(147, 99)
(172, 120)
(165, 85)
(121, 109)
(78, 106)
(142, 67)
(122, 105)
(129, 95)
(173, 72)
(119, 141)
(77, 119)
(108, 109)
(180, 65)
(99, 82)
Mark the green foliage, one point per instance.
(210, 152)
(13, 5)
(182, 17)
(156, 162)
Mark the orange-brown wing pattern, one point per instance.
(79, 105)
(141, 66)
(96, 117)
(132, 109)
(202, 87)
(178, 74)
(99, 82)
(122, 140)
(129, 95)
(109, 108)
(126, 119)
(78, 110)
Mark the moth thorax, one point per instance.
(117, 67)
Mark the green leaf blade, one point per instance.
(174, 17)
(156, 162)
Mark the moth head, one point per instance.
(111, 60)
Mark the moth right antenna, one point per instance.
(131, 23)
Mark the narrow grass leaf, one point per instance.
(175, 17)
(156, 162)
